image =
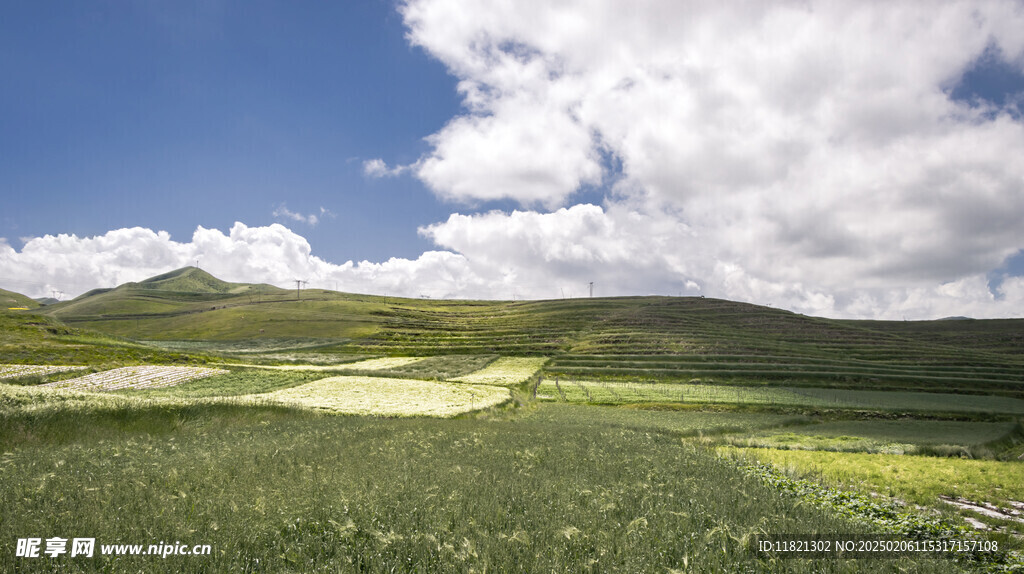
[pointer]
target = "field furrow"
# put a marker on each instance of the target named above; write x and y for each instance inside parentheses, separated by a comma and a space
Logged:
(14, 371)
(142, 377)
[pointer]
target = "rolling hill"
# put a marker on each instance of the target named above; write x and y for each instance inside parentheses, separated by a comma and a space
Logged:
(9, 299)
(627, 338)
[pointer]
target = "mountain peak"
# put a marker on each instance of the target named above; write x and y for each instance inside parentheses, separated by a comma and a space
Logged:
(187, 279)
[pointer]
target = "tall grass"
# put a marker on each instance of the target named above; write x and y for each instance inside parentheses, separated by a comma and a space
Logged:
(294, 492)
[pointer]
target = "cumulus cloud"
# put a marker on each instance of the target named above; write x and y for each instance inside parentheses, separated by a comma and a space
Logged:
(272, 254)
(488, 256)
(311, 219)
(377, 168)
(810, 153)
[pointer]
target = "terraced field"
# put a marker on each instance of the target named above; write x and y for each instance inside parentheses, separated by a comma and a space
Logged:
(505, 372)
(790, 370)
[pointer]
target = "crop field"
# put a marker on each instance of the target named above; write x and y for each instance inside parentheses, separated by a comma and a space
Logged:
(377, 364)
(602, 392)
(786, 370)
(916, 479)
(506, 372)
(297, 492)
(236, 383)
(885, 436)
(141, 377)
(381, 363)
(379, 396)
(15, 371)
(683, 423)
(355, 433)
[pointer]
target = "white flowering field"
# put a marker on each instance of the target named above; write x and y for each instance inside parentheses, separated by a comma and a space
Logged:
(506, 371)
(141, 377)
(390, 397)
(13, 371)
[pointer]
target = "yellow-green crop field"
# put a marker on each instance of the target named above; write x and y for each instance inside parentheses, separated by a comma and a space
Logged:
(380, 364)
(505, 371)
(915, 479)
(390, 397)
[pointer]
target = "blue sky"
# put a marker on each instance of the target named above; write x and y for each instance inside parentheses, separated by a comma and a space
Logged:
(841, 160)
(173, 115)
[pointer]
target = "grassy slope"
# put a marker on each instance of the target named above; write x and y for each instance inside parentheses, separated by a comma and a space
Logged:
(12, 299)
(30, 338)
(664, 339)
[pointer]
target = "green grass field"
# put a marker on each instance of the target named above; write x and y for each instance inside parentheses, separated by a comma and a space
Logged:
(291, 491)
(602, 454)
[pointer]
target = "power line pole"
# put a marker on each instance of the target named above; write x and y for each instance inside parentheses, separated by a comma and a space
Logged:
(298, 292)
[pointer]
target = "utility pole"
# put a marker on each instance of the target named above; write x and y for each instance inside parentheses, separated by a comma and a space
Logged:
(298, 292)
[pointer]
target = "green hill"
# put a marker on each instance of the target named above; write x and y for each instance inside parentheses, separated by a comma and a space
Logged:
(188, 280)
(619, 338)
(9, 299)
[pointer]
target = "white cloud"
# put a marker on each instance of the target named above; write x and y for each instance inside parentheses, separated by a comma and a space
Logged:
(377, 168)
(810, 152)
(273, 254)
(311, 219)
(492, 256)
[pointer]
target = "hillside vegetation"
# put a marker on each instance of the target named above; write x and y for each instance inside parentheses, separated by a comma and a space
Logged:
(621, 434)
(9, 299)
(636, 339)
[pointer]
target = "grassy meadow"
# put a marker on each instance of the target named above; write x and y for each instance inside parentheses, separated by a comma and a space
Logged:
(356, 433)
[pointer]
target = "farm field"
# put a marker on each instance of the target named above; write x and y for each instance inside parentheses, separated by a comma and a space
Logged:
(506, 371)
(294, 491)
(889, 436)
(361, 433)
(915, 479)
(15, 371)
(682, 423)
(379, 396)
(624, 393)
(139, 377)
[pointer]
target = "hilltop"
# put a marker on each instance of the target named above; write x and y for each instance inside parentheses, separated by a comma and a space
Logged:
(188, 280)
